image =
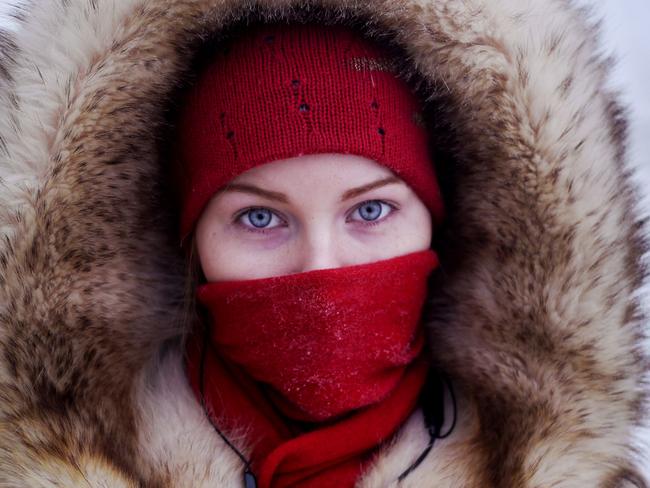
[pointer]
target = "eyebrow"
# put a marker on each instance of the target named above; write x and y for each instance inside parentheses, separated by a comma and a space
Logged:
(281, 197)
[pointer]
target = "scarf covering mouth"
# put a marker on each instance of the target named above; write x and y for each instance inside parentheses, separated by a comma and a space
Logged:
(319, 367)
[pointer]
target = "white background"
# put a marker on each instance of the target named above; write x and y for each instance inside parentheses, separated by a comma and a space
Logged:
(626, 32)
(626, 35)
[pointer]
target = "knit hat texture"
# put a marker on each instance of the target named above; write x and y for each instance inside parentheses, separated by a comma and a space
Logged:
(286, 90)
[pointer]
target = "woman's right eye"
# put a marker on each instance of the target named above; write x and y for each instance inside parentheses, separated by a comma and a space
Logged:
(259, 219)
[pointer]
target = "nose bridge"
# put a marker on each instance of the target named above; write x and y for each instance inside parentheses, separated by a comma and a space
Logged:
(319, 249)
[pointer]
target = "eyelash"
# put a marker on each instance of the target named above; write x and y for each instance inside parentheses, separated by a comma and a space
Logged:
(260, 230)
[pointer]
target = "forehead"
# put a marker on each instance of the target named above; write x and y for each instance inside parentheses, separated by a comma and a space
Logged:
(331, 167)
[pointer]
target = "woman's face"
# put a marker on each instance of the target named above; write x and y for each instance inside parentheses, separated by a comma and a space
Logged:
(310, 212)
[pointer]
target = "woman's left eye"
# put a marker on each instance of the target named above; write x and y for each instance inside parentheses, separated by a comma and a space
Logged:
(371, 211)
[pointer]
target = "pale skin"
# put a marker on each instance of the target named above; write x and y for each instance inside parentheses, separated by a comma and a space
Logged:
(310, 212)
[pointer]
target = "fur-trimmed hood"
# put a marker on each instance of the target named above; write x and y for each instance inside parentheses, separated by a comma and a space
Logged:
(534, 316)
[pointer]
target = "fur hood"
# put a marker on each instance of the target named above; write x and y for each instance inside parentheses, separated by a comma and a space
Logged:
(535, 317)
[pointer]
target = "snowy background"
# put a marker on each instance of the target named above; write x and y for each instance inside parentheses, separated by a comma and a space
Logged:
(626, 35)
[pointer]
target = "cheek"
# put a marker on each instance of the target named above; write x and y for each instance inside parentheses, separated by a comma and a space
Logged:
(224, 265)
(408, 231)
(225, 261)
(421, 230)
(216, 250)
(238, 265)
(228, 254)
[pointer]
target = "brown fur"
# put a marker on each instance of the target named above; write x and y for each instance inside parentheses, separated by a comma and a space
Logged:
(533, 313)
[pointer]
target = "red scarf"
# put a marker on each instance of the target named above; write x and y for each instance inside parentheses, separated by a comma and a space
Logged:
(320, 366)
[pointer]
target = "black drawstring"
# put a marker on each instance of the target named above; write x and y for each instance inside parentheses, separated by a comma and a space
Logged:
(433, 408)
(431, 398)
(454, 407)
(249, 478)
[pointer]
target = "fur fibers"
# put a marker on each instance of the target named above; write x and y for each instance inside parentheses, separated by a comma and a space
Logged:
(534, 313)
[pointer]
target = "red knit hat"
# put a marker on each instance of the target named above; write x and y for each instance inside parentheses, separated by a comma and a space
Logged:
(282, 91)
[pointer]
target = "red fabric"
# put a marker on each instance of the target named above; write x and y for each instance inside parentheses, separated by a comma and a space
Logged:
(334, 454)
(282, 91)
(350, 337)
(326, 341)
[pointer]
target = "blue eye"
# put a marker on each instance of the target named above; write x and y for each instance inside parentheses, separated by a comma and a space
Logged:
(259, 218)
(262, 219)
(372, 211)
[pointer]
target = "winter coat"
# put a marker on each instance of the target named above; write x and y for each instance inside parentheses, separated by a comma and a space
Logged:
(534, 314)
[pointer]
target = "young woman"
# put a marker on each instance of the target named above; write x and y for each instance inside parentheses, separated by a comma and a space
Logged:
(309, 195)
(525, 294)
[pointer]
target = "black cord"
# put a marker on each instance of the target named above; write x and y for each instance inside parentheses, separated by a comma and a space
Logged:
(249, 478)
(454, 406)
(433, 409)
